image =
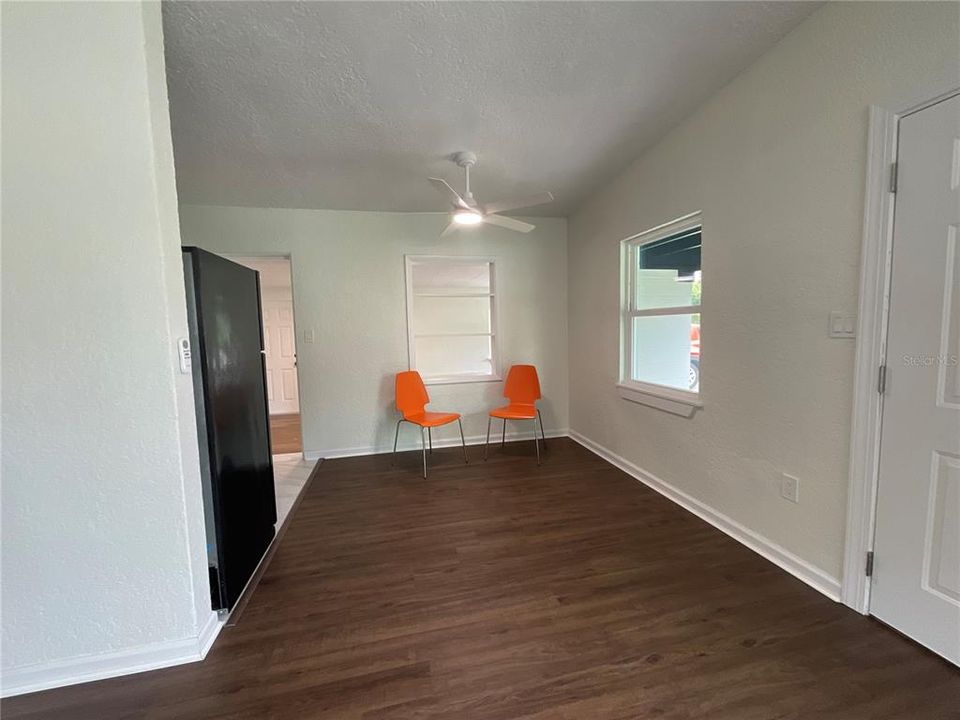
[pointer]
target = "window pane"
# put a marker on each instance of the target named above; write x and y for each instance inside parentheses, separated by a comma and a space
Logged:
(454, 356)
(666, 351)
(452, 277)
(667, 272)
(451, 315)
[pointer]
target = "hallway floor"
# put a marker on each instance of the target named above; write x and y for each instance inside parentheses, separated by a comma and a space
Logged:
(290, 474)
(286, 434)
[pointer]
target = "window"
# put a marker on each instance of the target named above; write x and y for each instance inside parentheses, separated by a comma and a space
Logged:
(451, 319)
(660, 316)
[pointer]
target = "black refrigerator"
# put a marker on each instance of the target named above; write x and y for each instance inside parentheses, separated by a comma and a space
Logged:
(228, 366)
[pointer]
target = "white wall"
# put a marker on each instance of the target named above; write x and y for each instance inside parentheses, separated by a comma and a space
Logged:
(348, 287)
(102, 540)
(275, 277)
(776, 162)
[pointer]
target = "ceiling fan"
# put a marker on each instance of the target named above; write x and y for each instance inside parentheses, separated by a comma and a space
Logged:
(467, 211)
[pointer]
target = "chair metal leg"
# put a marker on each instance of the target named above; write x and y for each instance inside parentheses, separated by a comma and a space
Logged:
(463, 442)
(396, 436)
(430, 436)
(543, 435)
(487, 446)
(503, 437)
(535, 440)
(423, 444)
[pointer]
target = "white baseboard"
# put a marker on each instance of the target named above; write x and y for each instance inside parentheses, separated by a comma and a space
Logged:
(209, 633)
(437, 443)
(813, 576)
(87, 668)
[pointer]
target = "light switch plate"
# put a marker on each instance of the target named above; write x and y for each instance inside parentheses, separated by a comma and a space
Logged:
(843, 325)
(308, 336)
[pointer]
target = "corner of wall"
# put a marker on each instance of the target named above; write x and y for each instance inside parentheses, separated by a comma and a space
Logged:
(176, 317)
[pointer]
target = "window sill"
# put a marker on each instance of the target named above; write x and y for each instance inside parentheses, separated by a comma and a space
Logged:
(458, 379)
(671, 400)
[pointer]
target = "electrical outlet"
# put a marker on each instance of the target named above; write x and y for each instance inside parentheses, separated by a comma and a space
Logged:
(790, 487)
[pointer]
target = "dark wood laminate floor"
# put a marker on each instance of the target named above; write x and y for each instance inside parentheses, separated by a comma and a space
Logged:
(285, 434)
(503, 590)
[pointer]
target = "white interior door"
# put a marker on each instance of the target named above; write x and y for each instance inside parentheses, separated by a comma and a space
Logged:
(916, 581)
(279, 339)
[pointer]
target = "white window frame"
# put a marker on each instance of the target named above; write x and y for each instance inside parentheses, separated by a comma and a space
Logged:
(455, 378)
(662, 397)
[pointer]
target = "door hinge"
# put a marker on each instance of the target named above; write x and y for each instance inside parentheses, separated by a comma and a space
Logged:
(868, 567)
(882, 380)
(893, 176)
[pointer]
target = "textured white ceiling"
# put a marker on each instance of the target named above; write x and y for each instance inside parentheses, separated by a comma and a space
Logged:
(349, 105)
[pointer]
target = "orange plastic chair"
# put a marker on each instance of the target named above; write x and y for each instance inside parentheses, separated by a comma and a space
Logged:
(412, 399)
(522, 389)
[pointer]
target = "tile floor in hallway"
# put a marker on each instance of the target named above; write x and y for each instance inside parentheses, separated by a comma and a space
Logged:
(290, 474)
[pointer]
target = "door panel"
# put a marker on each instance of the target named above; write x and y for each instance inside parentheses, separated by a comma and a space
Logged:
(916, 582)
(941, 558)
(270, 384)
(289, 385)
(281, 356)
(949, 372)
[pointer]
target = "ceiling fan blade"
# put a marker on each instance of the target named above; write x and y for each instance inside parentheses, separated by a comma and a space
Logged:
(523, 202)
(509, 223)
(448, 192)
(449, 229)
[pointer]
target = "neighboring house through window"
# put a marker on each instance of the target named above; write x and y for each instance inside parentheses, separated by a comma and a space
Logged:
(660, 313)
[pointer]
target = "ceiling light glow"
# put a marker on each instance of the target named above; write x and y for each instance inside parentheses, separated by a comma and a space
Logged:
(467, 217)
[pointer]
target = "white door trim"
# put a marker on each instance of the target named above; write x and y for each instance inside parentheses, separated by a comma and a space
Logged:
(871, 343)
(871, 349)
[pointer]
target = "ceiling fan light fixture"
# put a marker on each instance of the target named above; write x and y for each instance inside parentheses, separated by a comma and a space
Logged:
(467, 217)
(467, 211)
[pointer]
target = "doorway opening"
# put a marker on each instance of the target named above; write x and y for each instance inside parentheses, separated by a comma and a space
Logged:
(290, 469)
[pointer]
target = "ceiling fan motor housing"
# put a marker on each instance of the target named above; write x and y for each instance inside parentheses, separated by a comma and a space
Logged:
(465, 159)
